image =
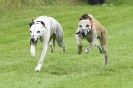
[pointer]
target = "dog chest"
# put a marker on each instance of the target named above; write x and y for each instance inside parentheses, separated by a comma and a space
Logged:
(89, 37)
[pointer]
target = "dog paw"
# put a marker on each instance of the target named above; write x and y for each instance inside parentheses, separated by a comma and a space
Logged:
(87, 50)
(38, 68)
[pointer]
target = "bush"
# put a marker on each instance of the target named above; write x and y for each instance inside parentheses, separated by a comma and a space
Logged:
(23, 3)
(40, 3)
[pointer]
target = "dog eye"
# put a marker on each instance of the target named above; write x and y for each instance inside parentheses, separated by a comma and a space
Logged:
(38, 31)
(80, 25)
(87, 25)
(30, 31)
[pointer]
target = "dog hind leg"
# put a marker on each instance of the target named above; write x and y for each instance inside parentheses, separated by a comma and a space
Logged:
(100, 49)
(103, 42)
(105, 54)
(59, 37)
(51, 45)
(61, 44)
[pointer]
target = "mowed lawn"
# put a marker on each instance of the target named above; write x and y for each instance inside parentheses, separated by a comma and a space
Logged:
(66, 69)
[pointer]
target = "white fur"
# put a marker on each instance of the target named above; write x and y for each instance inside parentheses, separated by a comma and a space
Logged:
(32, 50)
(51, 27)
(86, 50)
(82, 27)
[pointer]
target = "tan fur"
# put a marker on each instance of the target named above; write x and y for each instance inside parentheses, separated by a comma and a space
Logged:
(101, 34)
(101, 30)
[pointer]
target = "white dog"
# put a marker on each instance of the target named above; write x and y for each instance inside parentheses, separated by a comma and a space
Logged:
(46, 29)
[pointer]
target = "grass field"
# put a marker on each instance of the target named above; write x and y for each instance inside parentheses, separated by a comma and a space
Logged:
(66, 70)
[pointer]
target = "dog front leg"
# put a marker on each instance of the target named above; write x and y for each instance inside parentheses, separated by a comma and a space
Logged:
(79, 41)
(40, 62)
(32, 50)
(91, 45)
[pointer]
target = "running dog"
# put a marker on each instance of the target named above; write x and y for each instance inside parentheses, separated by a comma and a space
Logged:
(47, 30)
(91, 30)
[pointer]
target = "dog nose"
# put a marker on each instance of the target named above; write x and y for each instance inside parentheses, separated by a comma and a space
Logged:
(32, 39)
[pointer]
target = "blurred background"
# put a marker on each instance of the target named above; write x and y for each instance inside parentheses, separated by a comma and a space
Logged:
(38, 3)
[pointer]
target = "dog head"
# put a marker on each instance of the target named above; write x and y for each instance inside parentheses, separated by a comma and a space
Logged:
(85, 26)
(36, 31)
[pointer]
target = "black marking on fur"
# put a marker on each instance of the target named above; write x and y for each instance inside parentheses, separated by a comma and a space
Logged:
(41, 23)
(33, 42)
(85, 16)
(31, 23)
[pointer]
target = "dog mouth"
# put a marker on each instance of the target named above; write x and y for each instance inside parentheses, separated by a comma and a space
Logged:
(33, 41)
(82, 34)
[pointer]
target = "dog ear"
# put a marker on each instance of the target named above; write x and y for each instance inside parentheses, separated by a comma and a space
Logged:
(80, 18)
(31, 23)
(84, 16)
(92, 25)
(89, 18)
(91, 21)
(42, 23)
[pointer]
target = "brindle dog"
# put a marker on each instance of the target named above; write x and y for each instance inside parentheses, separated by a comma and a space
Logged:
(92, 30)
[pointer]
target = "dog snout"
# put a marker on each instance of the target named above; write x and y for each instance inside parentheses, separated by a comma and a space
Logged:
(81, 31)
(32, 39)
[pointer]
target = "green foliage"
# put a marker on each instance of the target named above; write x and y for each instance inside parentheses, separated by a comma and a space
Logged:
(39, 3)
(36, 3)
(66, 69)
(120, 2)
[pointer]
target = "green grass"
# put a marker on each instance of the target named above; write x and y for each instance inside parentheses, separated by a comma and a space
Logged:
(66, 69)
